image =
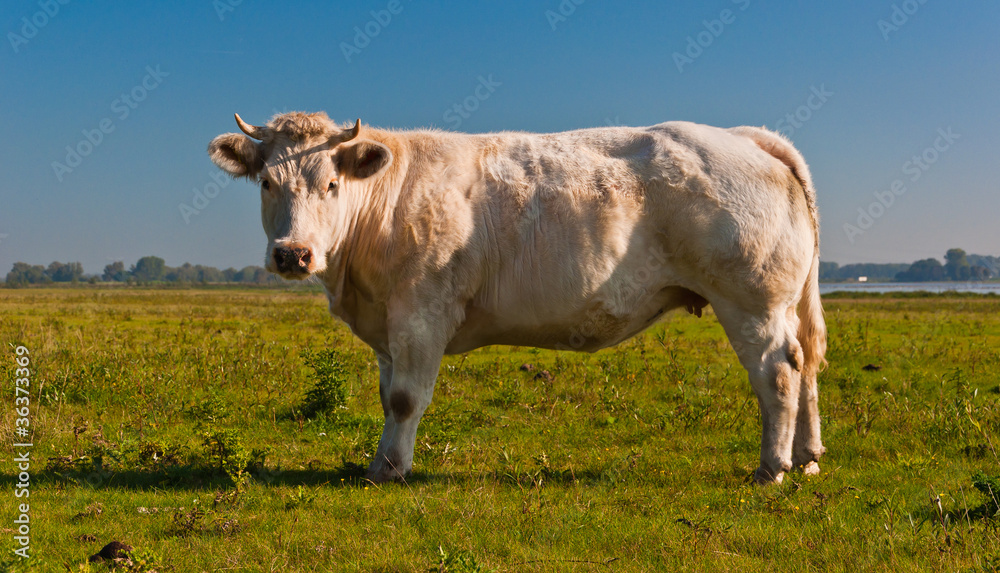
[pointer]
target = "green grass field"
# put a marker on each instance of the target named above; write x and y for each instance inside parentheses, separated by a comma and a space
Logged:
(175, 421)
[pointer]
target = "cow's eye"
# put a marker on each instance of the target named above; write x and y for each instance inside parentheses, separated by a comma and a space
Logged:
(332, 188)
(265, 185)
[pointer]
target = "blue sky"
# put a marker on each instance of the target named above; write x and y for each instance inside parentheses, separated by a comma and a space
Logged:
(860, 87)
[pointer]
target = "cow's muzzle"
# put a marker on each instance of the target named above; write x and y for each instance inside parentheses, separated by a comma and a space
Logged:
(292, 260)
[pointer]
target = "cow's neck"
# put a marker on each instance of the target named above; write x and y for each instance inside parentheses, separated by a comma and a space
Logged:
(358, 270)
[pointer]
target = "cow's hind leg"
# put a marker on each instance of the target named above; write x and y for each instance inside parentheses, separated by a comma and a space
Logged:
(767, 347)
(807, 447)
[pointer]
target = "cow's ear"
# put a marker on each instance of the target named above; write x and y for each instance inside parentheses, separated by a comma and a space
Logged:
(237, 155)
(363, 159)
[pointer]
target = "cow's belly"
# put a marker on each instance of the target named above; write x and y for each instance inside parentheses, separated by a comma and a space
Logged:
(591, 327)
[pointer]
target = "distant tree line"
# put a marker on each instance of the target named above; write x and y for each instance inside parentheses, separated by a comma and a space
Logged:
(24, 274)
(145, 270)
(958, 266)
(832, 272)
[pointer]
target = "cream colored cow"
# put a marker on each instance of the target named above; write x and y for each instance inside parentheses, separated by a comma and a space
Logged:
(433, 243)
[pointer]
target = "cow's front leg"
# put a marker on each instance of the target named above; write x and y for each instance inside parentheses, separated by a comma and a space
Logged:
(406, 386)
(384, 387)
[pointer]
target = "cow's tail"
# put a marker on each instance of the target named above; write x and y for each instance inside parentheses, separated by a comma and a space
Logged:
(812, 327)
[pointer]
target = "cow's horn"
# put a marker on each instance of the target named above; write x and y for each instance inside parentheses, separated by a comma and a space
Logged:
(347, 134)
(251, 130)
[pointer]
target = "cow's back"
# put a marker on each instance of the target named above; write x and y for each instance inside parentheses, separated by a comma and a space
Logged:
(608, 228)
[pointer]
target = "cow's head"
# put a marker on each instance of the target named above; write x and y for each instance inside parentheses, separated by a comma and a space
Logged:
(307, 167)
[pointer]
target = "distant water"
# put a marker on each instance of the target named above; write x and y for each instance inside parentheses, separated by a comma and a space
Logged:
(978, 287)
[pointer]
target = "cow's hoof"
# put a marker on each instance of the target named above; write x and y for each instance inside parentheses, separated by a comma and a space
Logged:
(385, 474)
(766, 477)
(378, 478)
(810, 469)
(383, 477)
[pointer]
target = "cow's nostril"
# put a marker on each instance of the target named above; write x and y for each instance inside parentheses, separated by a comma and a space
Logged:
(305, 258)
(280, 258)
